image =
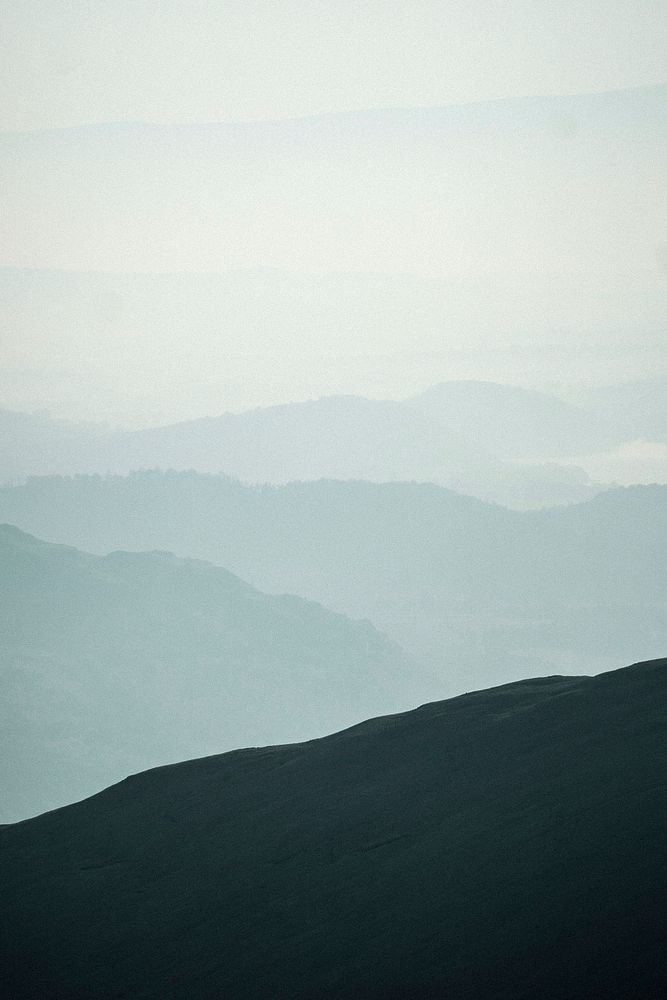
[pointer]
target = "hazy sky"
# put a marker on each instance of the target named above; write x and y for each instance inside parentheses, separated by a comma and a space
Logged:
(66, 62)
(538, 221)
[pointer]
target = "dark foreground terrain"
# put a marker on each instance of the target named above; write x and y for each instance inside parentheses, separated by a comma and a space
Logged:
(504, 844)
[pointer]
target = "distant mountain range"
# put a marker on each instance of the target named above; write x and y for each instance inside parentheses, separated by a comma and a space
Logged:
(172, 346)
(521, 184)
(158, 272)
(499, 443)
(504, 844)
(340, 437)
(175, 586)
(114, 664)
(480, 593)
(517, 423)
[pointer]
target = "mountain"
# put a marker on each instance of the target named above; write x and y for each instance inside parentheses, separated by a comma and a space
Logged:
(337, 437)
(515, 423)
(363, 253)
(482, 593)
(255, 337)
(34, 443)
(114, 664)
(638, 412)
(504, 844)
(510, 185)
(346, 437)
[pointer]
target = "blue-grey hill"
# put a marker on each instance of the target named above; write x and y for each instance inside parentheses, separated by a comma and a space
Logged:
(114, 664)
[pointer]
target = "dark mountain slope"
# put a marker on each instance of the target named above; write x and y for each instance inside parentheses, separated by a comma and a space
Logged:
(506, 845)
(114, 664)
(484, 593)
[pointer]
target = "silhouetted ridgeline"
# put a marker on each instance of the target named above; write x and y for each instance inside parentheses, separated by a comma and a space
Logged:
(504, 845)
(115, 664)
(483, 593)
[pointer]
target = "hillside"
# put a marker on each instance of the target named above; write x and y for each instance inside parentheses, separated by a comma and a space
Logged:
(482, 593)
(342, 437)
(516, 423)
(34, 443)
(114, 664)
(504, 845)
(336, 437)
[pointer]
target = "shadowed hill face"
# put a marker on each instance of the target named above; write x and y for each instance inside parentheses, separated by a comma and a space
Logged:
(483, 593)
(506, 845)
(114, 664)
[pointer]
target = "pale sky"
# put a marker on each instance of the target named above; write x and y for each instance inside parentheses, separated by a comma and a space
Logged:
(472, 239)
(69, 62)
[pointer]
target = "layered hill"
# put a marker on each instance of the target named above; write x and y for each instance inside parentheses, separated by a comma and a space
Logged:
(30, 442)
(337, 437)
(483, 593)
(503, 845)
(115, 664)
(509, 185)
(346, 253)
(340, 437)
(516, 423)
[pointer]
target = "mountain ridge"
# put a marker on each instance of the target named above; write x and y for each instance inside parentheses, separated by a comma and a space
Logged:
(504, 844)
(600, 98)
(457, 582)
(131, 658)
(342, 436)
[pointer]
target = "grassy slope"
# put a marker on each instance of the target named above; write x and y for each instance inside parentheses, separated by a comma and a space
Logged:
(505, 844)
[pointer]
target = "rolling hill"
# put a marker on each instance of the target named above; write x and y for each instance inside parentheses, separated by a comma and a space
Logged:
(337, 437)
(503, 845)
(342, 437)
(115, 664)
(516, 423)
(482, 593)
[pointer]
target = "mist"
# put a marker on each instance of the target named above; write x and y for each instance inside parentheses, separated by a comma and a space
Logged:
(190, 270)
